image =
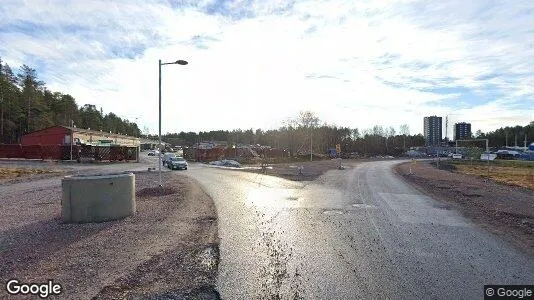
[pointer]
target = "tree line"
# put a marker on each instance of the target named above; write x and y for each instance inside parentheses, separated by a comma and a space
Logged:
(297, 134)
(509, 135)
(27, 105)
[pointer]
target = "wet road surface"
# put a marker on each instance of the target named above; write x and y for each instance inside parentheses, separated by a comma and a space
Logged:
(357, 233)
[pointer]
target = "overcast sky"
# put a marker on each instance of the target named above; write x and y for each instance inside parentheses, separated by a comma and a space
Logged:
(253, 64)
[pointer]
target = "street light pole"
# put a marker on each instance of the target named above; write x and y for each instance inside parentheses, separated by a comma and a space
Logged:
(178, 62)
(311, 145)
(71, 137)
(159, 131)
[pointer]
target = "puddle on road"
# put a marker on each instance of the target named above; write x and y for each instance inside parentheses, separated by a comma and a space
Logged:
(333, 212)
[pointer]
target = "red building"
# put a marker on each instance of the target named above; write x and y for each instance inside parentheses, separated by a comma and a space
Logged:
(55, 143)
(57, 135)
(62, 135)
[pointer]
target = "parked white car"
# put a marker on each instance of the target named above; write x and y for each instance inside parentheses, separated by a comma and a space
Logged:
(153, 153)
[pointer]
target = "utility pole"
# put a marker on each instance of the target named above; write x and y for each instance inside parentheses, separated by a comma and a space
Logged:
(488, 154)
(437, 153)
(2, 117)
(1, 104)
(311, 144)
(159, 130)
(29, 108)
(506, 136)
(71, 137)
(447, 127)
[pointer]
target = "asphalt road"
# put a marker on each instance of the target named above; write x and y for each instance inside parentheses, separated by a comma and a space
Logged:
(357, 233)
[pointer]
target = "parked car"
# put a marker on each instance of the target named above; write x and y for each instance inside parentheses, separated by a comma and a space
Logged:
(177, 163)
(166, 157)
(153, 152)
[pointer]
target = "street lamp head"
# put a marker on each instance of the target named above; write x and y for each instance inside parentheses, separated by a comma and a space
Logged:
(181, 62)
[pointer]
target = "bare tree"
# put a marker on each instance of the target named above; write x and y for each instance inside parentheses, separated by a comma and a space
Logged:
(290, 126)
(404, 130)
(388, 132)
(378, 130)
(355, 134)
(391, 131)
(310, 121)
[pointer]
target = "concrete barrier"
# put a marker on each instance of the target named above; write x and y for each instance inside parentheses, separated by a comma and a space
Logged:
(97, 198)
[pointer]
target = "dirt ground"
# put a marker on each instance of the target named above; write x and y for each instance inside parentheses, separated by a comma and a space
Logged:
(10, 173)
(310, 169)
(169, 249)
(507, 211)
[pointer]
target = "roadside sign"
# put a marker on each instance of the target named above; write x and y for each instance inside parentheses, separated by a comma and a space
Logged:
(412, 163)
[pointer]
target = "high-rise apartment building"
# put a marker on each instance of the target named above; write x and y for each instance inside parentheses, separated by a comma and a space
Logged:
(462, 131)
(433, 130)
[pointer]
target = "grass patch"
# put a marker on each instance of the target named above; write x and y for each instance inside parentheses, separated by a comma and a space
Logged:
(499, 163)
(518, 173)
(9, 173)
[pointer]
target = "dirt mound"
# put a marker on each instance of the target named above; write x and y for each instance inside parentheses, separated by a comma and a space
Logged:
(155, 191)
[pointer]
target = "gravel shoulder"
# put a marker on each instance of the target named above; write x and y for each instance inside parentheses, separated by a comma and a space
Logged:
(169, 248)
(507, 211)
(311, 170)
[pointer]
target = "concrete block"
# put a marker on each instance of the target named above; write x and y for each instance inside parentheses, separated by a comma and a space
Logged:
(97, 198)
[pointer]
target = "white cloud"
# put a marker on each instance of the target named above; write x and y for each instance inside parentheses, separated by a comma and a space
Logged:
(373, 62)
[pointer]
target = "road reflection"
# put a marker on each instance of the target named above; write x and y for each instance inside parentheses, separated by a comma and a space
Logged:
(272, 197)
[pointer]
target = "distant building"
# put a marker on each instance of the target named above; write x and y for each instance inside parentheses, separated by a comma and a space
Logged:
(462, 131)
(148, 144)
(433, 130)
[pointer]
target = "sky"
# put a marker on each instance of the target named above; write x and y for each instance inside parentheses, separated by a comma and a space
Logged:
(257, 63)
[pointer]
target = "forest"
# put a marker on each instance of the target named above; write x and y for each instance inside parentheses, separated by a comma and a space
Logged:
(27, 105)
(509, 136)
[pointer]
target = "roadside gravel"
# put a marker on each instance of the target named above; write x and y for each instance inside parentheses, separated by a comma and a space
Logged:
(170, 247)
(507, 211)
(311, 170)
